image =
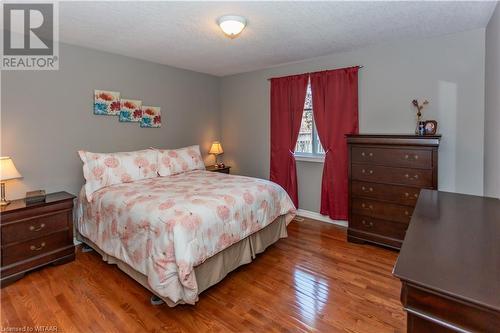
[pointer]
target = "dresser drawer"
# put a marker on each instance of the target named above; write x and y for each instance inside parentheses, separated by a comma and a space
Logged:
(388, 175)
(392, 193)
(383, 228)
(34, 227)
(35, 247)
(382, 210)
(398, 157)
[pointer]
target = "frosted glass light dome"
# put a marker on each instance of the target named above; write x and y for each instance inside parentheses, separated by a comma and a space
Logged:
(232, 25)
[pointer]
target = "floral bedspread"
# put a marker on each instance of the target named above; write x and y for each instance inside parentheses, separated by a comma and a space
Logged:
(165, 226)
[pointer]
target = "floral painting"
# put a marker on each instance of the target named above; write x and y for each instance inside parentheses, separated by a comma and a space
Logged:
(130, 110)
(106, 102)
(151, 116)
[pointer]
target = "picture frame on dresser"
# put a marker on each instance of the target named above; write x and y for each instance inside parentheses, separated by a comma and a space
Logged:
(385, 176)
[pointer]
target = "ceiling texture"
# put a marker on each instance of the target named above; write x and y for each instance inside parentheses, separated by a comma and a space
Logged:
(186, 35)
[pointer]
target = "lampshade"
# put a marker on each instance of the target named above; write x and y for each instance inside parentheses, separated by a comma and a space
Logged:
(216, 148)
(8, 169)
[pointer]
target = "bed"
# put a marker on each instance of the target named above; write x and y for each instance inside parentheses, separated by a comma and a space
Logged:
(181, 234)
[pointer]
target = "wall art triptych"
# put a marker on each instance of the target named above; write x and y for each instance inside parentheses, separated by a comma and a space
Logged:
(109, 103)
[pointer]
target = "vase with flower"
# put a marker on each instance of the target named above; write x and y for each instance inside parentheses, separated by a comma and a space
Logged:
(419, 107)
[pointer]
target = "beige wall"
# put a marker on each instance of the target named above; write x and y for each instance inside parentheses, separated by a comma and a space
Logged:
(448, 70)
(47, 115)
(492, 113)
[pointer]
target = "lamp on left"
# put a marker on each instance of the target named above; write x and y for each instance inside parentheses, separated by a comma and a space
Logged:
(8, 171)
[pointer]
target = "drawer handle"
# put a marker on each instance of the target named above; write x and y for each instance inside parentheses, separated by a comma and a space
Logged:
(407, 194)
(407, 157)
(415, 195)
(40, 227)
(369, 171)
(368, 224)
(364, 154)
(365, 206)
(415, 177)
(407, 213)
(37, 248)
(370, 189)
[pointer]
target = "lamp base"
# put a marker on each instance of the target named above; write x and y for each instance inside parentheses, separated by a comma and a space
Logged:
(3, 201)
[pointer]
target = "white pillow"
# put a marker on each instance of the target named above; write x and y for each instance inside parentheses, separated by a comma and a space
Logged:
(174, 161)
(105, 169)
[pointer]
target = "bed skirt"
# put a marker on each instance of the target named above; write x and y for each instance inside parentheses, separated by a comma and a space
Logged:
(215, 268)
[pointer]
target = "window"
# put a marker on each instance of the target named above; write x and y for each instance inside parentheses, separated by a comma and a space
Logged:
(308, 143)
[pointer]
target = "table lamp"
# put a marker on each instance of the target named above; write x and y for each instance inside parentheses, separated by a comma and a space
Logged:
(8, 171)
(216, 149)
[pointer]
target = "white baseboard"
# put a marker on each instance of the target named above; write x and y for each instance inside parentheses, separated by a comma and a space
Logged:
(319, 217)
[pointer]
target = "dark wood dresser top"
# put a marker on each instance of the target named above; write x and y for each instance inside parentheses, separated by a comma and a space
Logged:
(20, 204)
(453, 247)
(394, 139)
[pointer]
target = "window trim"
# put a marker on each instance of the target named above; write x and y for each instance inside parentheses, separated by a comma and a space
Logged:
(305, 157)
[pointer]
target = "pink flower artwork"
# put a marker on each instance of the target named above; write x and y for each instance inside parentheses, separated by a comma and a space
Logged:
(106, 102)
(130, 110)
(151, 117)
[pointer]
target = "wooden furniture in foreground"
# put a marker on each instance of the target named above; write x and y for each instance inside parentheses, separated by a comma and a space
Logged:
(311, 290)
(225, 169)
(35, 235)
(450, 264)
(386, 173)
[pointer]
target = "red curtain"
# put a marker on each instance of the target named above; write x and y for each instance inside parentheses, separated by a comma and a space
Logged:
(335, 110)
(287, 105)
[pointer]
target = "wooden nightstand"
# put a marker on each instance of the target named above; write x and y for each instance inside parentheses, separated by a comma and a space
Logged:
(35, 235)
(221, 170)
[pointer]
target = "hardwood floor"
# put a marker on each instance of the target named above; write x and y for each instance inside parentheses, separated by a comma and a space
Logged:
(313, 281)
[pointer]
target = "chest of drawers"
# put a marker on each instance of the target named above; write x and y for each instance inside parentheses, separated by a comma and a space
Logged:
(386, 173)
(35, 235)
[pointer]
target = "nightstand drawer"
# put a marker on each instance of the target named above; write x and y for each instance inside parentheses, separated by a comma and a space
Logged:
(35, 235)
(35, 247)
(34, 228)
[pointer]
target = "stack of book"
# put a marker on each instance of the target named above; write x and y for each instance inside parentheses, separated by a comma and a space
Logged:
(35, 197)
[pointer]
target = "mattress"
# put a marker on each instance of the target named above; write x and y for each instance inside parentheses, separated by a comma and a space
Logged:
(164, 227)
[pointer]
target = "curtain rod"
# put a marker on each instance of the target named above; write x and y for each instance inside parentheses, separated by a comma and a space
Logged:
(269, 79)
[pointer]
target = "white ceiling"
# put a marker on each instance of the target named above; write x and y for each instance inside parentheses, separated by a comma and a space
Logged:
(185, 34)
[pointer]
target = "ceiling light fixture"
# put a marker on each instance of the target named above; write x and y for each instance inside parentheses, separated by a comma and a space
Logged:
(232, 25)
